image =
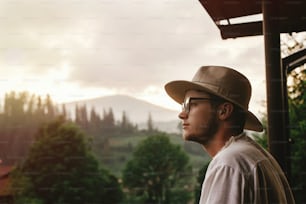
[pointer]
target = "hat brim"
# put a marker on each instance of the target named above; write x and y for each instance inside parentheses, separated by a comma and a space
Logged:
(177, 90)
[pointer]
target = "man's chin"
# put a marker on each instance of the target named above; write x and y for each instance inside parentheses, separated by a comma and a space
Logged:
(190, 138)
(197, 139)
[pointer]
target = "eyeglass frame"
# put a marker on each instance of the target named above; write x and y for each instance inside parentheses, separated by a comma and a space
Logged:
(187, 102)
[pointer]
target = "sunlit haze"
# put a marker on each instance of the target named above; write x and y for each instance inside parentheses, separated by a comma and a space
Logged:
(74, 50)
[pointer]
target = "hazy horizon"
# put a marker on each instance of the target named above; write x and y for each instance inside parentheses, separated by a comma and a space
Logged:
(77, 50)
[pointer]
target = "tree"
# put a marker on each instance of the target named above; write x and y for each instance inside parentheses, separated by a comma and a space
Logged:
(81, 116)
(60, 168)
(94, 122)
(108, 121)
(14, 110)
(64, 111)
(49, 107)
(150, 123)
(39, 107)
(125, 125)
(22, 114)
(158, 172)
(297, 107)
(297, 115)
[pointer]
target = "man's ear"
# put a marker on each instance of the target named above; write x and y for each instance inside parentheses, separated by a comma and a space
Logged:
(225, 110)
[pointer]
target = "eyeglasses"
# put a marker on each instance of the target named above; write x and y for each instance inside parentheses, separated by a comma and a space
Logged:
(187, 103)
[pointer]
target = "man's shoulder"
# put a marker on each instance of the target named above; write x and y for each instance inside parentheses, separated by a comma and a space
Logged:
(239, 154)
(239, 147)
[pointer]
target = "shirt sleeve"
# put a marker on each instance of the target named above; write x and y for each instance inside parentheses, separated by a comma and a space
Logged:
(223, 184)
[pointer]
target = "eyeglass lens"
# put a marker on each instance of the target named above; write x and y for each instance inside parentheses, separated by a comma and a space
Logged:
(186, 103)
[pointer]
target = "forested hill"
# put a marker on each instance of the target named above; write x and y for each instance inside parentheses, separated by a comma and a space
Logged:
(137, 111)
(23, 114)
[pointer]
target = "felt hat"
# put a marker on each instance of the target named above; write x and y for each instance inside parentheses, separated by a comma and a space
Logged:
(220, 81)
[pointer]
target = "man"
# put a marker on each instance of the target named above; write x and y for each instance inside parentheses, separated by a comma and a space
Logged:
(214, 114)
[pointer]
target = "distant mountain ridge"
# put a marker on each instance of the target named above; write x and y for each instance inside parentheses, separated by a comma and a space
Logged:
(136, 110)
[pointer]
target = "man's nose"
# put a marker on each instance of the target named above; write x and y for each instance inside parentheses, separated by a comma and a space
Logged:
(182, 115)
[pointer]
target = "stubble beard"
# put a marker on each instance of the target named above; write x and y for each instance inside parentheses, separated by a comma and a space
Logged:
(205, 133)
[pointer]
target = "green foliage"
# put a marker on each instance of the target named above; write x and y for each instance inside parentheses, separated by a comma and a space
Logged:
(126, 125)
(297, 115)
(112, 143)
(60, 168)
(150, 123)
(298, 132)
(297, 96)
(22, 114)
(158, 172)
(262, 138)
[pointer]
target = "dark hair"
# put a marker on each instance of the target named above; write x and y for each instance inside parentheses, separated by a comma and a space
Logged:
(238, 116)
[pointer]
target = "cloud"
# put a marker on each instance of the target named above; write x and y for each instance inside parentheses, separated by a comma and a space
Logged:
(106, 43)
(128, 46)
(142, 44)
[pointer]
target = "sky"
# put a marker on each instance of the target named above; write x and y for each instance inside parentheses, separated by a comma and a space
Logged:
(73, 49)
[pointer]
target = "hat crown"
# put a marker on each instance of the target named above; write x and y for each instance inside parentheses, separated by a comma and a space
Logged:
(226, 83)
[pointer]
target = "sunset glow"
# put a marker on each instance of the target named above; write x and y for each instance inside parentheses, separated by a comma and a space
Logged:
(80, 50)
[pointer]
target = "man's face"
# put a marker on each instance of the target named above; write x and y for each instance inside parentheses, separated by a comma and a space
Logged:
(199, 117)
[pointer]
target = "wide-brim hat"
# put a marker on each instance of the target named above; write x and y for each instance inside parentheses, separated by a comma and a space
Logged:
(223, 82)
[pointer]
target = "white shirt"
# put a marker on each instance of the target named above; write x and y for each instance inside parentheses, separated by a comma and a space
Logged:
(243, 172)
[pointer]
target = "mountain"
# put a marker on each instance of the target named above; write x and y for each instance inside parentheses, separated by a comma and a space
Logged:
(136, 110)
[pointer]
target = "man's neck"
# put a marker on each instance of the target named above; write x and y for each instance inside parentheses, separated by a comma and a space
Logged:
(217, 143)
